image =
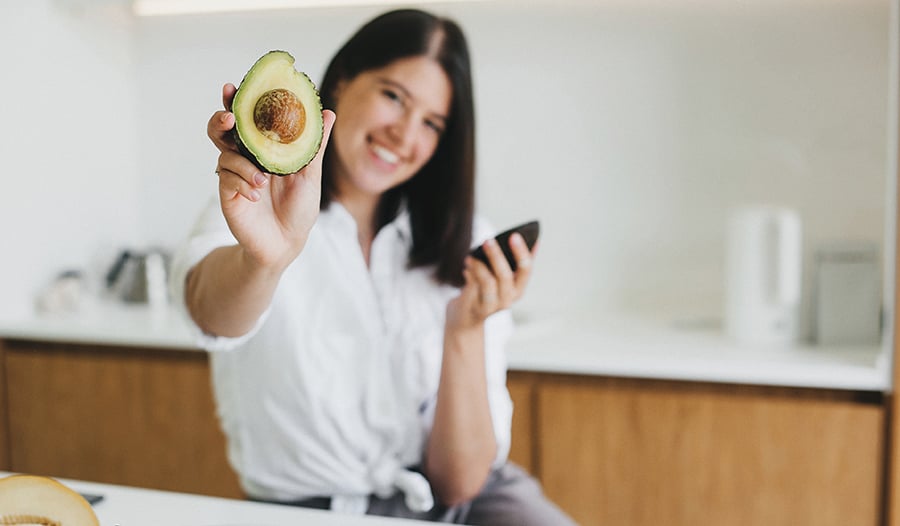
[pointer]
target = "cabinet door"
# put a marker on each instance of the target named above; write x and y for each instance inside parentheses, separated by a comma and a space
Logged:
(521, 388)
(636, 453)
(137, 417)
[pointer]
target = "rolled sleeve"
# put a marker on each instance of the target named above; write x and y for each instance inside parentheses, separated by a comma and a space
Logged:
(498, 330)
(209, 233)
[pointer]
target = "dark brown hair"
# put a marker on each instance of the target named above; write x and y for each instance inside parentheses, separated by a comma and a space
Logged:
(441, 196)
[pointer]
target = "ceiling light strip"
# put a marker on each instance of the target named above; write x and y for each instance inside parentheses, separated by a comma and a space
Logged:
(185, 7)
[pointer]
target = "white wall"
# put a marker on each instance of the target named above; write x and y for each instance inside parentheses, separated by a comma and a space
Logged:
(67, 143)
(629, 129)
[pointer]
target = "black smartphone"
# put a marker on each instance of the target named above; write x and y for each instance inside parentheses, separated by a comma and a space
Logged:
(529, 231)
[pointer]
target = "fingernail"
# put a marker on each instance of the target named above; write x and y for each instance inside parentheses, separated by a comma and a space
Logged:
(518, 239)
(260, 179)
(255, 195)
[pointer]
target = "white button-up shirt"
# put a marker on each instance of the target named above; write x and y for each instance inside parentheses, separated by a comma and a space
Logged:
(333, 392)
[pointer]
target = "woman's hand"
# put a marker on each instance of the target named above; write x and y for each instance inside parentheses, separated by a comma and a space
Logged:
(462, 444)
(490, 289)
(269, 215)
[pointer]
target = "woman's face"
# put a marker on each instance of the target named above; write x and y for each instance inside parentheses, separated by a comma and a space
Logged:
(389, 122)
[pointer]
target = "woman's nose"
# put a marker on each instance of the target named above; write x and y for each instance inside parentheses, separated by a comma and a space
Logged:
(403, 130)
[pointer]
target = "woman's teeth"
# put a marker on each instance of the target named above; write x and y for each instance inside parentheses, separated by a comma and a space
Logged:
(385, 155)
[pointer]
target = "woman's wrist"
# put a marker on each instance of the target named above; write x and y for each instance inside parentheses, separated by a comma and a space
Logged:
(464, 337)
(253, 268)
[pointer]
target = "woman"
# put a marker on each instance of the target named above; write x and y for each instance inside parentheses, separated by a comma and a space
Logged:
(359, 351)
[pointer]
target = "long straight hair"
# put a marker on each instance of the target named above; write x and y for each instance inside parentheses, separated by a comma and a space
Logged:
(440, 198)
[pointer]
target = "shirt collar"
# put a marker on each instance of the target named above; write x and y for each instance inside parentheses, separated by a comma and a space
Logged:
(337, 216)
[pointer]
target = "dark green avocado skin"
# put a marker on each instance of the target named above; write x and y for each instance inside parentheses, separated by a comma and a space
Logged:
(529, 232)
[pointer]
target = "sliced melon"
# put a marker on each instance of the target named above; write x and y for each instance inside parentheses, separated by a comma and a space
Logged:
(30, 499)
(278, 115)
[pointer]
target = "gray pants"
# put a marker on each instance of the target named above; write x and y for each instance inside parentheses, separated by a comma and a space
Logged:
(510, 497)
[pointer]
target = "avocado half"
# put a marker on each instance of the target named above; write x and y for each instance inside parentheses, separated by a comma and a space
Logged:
(278, 115)
(31, 499)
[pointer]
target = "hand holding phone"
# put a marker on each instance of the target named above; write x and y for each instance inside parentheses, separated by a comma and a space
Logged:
(529, 232)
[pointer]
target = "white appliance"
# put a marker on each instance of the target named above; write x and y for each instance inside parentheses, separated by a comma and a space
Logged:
(847, 294)
(763, 275)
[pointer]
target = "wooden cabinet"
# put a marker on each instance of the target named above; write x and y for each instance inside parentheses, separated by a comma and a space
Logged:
(608, 451)
(140, 417)
(642, 452)
(522, 390)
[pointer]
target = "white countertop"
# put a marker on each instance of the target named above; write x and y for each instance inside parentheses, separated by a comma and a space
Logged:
(127, 506)
(611, 345)
(598, 344)
(107, 323)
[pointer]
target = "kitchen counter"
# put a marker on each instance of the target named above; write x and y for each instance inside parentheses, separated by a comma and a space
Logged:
(106, 323)
(659, 348)
(128, 506)
(592, 344)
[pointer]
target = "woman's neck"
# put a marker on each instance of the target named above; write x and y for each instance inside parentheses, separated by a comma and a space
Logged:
(363, 210)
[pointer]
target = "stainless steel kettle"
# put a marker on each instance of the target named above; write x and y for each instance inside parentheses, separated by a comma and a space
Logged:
(139, 277)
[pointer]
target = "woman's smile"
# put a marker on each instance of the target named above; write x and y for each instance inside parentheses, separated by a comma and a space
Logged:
(385, 155)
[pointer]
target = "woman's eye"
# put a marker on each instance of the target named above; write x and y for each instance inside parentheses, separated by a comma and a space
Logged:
(392, 95)
(435, 126)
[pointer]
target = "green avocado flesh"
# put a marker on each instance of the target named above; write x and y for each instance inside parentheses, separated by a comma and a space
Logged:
(278, 115)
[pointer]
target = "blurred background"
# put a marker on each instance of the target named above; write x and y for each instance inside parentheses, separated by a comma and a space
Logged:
(630, 129)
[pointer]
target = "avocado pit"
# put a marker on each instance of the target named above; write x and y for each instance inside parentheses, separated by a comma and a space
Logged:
(280, 116)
